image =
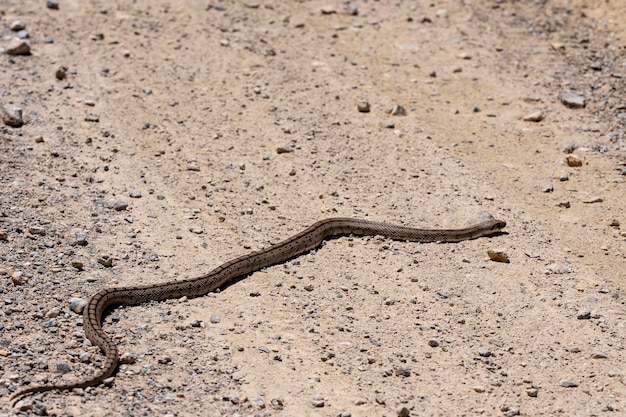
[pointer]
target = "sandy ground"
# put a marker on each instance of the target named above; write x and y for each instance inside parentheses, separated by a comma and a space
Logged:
(159, 149)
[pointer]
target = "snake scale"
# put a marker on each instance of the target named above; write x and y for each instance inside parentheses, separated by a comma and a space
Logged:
(226, 273)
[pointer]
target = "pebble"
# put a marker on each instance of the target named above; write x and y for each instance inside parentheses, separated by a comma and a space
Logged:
(594, 199)
(17, 278)
(24, 405)
(77, 305)
(128, 358)
(255, 293)
(599, 355)
(52, 4)
(18, 47)
(12, 116)
(478, 388)
(484, 352)
(432, 73)
(214, 319)
(53, 312)
(532, 392)
(284, 149)
(78, 265)
(360, 401)
(345, 414)
(62, 368)
(196, 229)
(573, 161)
(433, 342)
(498, 255)
(353, 10)
(403, 371)
(363, 107)
(572, 100)
(81, 238)
(536, 116)
(135, 194)
(193, 166)
(547, 189)
(92, 118)
(583, 315)
(568, 383)
(397, 110)
(61, 73)
(120, 205)
(328, 10)
(564, 176)
(318, 401)
(403, 412)
(17, 25)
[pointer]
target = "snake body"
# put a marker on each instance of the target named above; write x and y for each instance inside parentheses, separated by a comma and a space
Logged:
(294, 246)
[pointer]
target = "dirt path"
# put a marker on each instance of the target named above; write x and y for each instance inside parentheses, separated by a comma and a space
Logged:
(183, 134)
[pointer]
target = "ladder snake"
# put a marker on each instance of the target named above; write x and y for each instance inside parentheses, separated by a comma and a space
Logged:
(226, 273)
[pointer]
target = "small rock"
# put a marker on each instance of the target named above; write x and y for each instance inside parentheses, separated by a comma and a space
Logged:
(594, 199)
(77, 305)
(532, 392)
(85, 357)
(403, 371)
(198, 323)
(360, 401)
(547, 189)
(255, 293)
(573, 161)
(583, 315)
(12, 116)
(18, 47)
(328, 10)
(613, 223)
(536, 116)
(128, 358)
(284, 149)
(353, 10)
(397, 110)
(53, 312)
(318, 401)
(61, 73)
(17, 278)
(403, 412)
(433, 342)
(363, 107)
(512, 412)
(478, 388)
(572, 100)
(108, 381)
(52, 4)
(564, 176)
(193, 166)
(215, 319)
(599, 355)
(78, 265)
(17, 25)
(196, 229)
(62, 368)
(565, 204)
(484, 351)
(24, 405)
(432, 73)
(498, 255)
(92, 118)
(568, 383)
(81, 238)
(120, 205)
(106, 261)
(135, 194)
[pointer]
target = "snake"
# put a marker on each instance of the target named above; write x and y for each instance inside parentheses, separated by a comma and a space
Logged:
(231, 271)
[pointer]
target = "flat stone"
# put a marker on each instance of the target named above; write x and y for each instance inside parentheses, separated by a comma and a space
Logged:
(568, 383)
(572, 100)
